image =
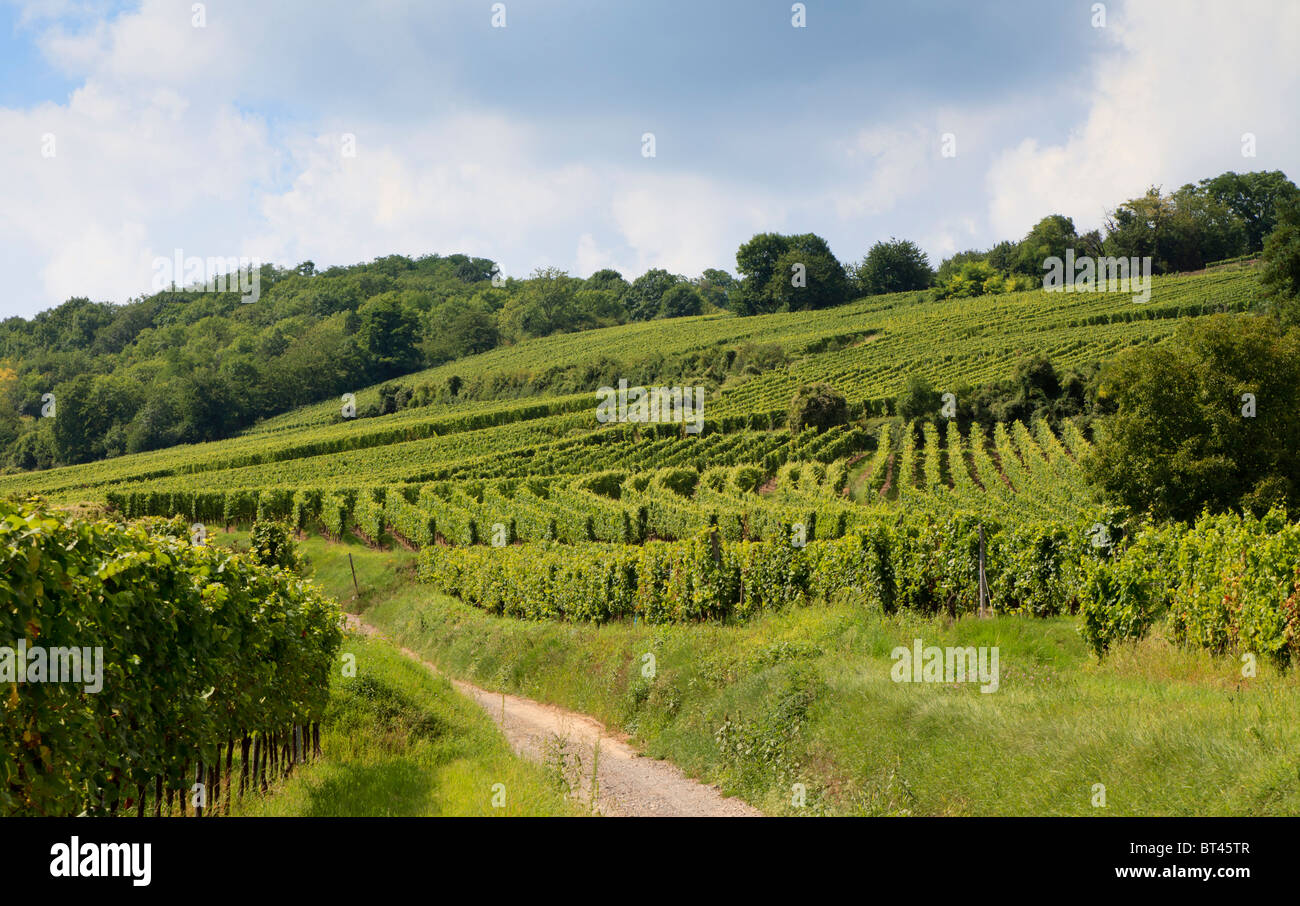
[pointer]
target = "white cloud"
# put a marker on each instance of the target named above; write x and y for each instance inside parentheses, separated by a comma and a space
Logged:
(125, 172)
(159, 148)
(1169, 106)
(589, 257)
(896, 160)
(686, 223)
(466, 184)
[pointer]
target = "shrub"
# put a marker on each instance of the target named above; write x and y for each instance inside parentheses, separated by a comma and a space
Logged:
(818, 406)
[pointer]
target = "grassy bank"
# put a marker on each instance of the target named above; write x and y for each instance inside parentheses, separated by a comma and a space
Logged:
(400, 741)
(805, 697)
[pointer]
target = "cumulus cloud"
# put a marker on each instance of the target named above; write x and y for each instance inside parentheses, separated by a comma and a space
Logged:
(685, 223)
(228, 141)
(91, 184)
(895, 161)
(156, 152)
(1185, 79)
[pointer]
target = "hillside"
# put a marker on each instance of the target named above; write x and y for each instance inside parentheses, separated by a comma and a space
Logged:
(501, 425)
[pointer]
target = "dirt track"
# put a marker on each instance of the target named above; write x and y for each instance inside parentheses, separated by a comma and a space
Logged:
(627, 784)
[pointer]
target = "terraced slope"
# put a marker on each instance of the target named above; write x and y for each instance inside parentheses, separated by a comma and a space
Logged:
(868, 349)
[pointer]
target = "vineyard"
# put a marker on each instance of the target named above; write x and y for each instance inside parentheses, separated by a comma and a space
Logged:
(525, 410)
(613, 509)
(203, 652)
(521, 504)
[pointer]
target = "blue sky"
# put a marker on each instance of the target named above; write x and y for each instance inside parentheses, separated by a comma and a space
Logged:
(523, 143)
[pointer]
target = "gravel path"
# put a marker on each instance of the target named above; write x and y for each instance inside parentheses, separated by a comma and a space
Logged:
(627, 783)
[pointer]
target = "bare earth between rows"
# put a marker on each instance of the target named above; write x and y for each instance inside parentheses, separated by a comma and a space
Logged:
(627, 784)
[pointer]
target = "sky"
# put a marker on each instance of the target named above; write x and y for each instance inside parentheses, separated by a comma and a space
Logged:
(338, 132)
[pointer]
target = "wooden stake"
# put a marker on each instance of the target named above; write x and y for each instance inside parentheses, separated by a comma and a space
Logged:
(985, 604)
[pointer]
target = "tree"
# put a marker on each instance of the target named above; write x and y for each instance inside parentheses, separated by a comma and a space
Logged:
(543, 305)
(36, 448)
(1182, 433)
(473, 270)
(1179, 232)
(176, 367)
(952, 265)
(681, 300)
(387, 337)
(1281, 274)
(1050, 237)
(156, 424)
(1002, 257)
(919, 399)
(1254, 198)
(808, 277)
(787, 273)
(818, 406)
(86, 408)
(599, 307)
(644, 298)
(756, 263)
(715, 287)
(208, 403)
(472, 331)
(10, 394)
(608, 280)
(1204, 230)
(895, 266)
(1135, 228)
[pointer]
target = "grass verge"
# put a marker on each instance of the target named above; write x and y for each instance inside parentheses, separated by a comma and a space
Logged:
(805, 697)
(400, 741)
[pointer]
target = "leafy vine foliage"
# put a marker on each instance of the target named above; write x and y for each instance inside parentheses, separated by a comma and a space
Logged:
(202, 648)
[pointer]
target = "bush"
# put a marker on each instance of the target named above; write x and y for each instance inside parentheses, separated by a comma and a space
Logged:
(919, 399)
(1120, 599)
(818, 406)
(1183, 436)
(747, 479)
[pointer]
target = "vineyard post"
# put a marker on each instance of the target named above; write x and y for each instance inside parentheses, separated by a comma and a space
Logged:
(984, 587)
(230, 781)
(354, 576)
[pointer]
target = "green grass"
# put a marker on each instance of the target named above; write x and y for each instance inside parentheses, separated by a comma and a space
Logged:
(806, 697)
(400, 741)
